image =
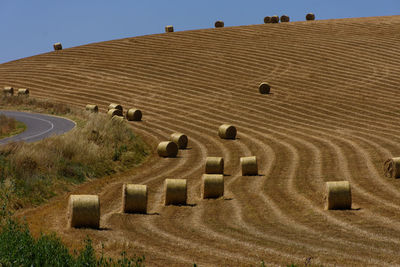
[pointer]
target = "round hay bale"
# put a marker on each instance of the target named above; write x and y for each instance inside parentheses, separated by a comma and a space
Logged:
(134, 198)
(169, 28)
(264, 88)
(118, 119)
(23, 92)
(391, 168)
(115, 106)
(310, 16)
(167, 149)
(227, 131)
(285, 18)
(7, 90)
(175, 191)
(215, 165)
(84, 211)
(57, 46)
(180, 139)
(249, 165)
(114, 112)
(212, 186)
(92, 108)
(338, 195)
(275, 19)
(219, 24)
(134, 115)
(267, 19)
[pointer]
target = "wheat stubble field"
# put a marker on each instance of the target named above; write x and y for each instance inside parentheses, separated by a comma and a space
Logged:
(332, 115)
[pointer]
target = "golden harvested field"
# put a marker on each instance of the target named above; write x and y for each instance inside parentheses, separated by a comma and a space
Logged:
(333, 115)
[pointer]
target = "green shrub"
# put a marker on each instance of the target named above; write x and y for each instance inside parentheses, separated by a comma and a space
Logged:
(19, 248)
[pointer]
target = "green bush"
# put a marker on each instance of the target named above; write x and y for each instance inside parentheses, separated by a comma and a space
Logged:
(19, 248)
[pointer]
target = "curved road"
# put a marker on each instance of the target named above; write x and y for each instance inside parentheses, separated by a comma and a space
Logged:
(38, 126)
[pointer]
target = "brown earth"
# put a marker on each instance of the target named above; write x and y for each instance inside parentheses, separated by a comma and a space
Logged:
(332, 115)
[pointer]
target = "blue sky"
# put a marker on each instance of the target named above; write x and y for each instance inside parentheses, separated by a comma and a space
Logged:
(30, 27)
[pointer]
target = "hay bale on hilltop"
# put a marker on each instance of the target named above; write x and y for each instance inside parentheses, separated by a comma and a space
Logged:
(219, 24)
(115, 106)
(92, 108)
(134, 198)
(180, 139)
(134, 115)
(285, 18)
(114, 112)
(8, 90)
(226, 131)
(264, 88)
(310, 16)
(167, 149)
(57, 46)
(212, 186)
(214, 165)
(275, 19)
(391, 168)
(338, 195)
(169, 28)
(23, 92)
(84, 211)
(249, 165)
(175, 192)
(267, 19)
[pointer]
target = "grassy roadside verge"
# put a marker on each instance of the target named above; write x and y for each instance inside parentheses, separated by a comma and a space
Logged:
(31, 173)
(10, 127)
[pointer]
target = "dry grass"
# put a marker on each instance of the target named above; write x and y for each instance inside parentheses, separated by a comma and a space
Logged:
(175, 191)
(57, 46)
(214, 165)
(9, 126)
(33, 104)
(134, 198)
(169, 28)
(167, 149)
(249, 165)
(84, 211)
(180, 139)
(212, 186)
(310, 16)
(338, 195)
(34, 172)
(226, 131)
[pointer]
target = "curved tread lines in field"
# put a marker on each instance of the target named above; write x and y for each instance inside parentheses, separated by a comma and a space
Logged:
(324, 121)
(146, 224)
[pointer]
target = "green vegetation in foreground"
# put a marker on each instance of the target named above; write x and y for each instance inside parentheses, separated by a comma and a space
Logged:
(19, 248)
(31, 173)
(10, 127)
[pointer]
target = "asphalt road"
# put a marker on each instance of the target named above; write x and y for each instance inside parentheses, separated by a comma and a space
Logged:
(38, 126)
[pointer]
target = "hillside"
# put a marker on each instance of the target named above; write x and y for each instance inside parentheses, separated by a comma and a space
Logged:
(332, 115)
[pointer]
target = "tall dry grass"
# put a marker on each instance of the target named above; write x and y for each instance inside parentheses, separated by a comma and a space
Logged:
(35, 104)
(7, 125)
(34, 172)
